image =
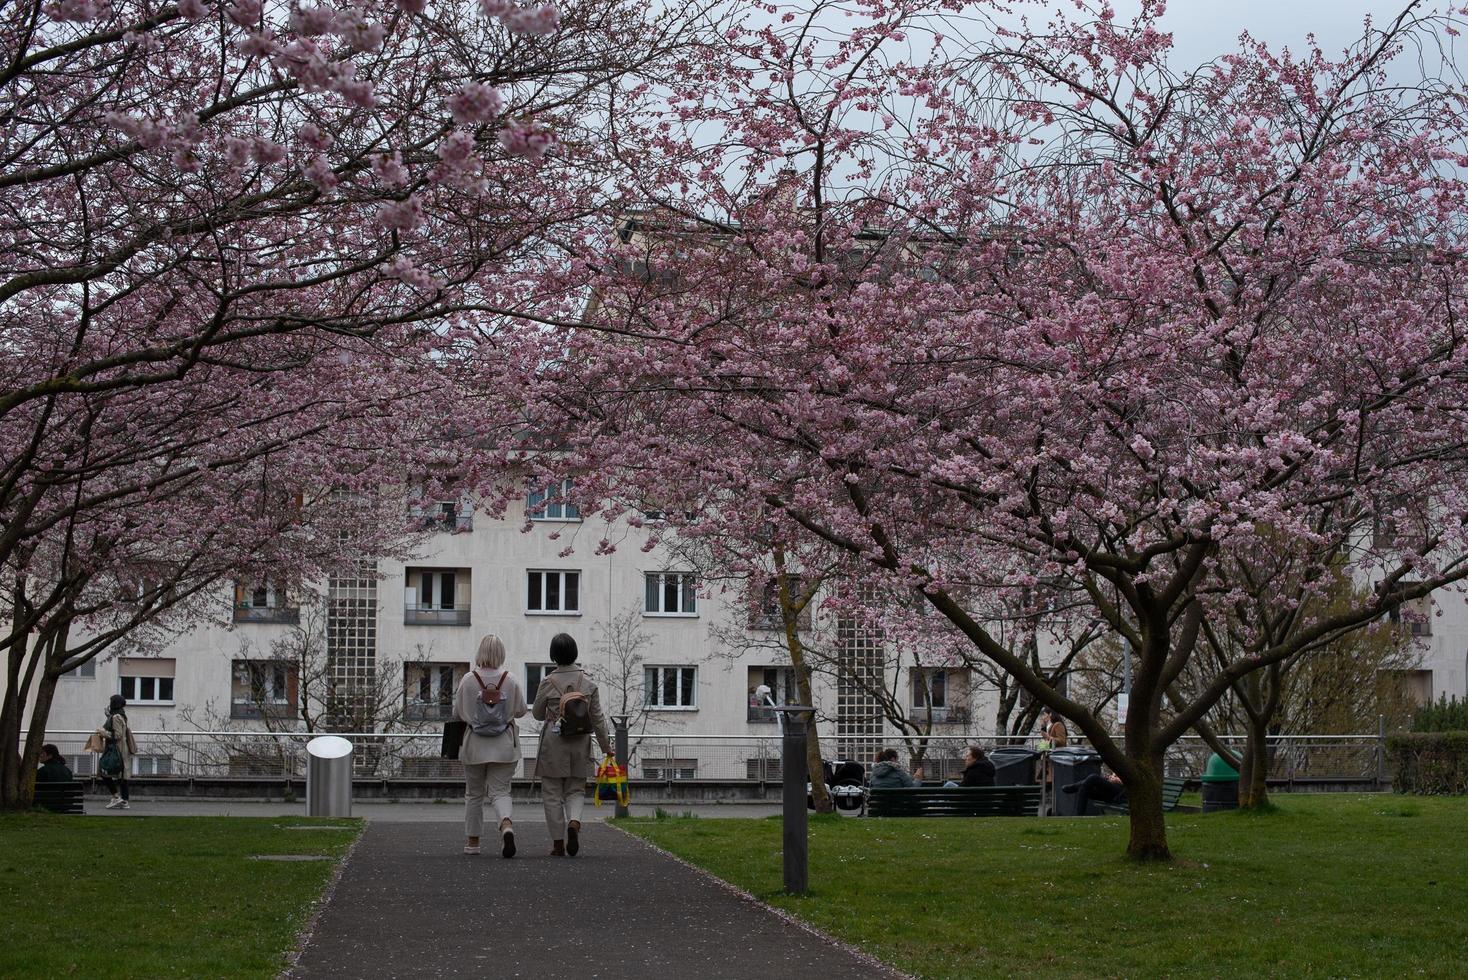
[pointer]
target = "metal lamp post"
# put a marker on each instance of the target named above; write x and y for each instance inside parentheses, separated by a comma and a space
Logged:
(619, 724)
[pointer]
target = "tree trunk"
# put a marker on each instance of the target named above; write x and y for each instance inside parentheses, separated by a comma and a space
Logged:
(1148, 840)
(1253, 787)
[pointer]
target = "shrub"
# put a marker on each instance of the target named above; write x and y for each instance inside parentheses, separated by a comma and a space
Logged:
(1430, 763)
(1443, 716)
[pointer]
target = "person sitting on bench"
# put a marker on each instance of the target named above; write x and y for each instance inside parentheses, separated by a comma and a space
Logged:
(887, 774)
(53, 766)
(977, 769)
(1105, 789)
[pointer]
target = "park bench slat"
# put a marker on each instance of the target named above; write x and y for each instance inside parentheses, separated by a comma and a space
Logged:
(973, 801)
(60, 797)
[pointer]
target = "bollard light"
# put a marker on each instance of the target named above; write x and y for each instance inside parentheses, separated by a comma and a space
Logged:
(329, 777)
(796, 844)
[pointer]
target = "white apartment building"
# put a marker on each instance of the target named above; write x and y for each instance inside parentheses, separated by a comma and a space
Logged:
(405, 632)
(693, 655)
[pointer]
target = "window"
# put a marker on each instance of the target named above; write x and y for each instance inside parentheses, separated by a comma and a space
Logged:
(664, 769)
(1416, 614)
(264, 601)
(442, 515)
(767, 615)
(263, 688)
(551, 504)
(146, 680)
(929, 688)
(553, 592)
(428, 690)
(670, 688)
(152, 765)
(783, 690)
(83, 672)
(436, 597)
(671, 594)
(534, 674)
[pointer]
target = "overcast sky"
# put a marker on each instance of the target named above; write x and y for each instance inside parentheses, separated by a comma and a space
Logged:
(1204, 29)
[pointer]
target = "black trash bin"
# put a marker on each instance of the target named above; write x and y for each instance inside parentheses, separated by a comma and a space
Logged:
(1072, 766)
(1014, 766)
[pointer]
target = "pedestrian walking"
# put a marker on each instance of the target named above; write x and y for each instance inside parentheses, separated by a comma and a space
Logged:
(569, 704)
(488, 700)
(114, 740)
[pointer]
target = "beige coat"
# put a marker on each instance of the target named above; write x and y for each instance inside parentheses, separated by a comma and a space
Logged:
(126, 744)
(563, 758)
(479, 749)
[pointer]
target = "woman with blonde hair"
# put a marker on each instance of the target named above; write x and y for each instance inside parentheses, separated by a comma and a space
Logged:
(488, 700)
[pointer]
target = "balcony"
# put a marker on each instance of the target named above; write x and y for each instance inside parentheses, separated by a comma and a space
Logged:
(941, 716)
(252, 711)
(757, 715)
(428, 711)
(284, 615)
(415, 615)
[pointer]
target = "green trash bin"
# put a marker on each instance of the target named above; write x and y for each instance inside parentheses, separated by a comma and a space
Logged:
(1220, 785)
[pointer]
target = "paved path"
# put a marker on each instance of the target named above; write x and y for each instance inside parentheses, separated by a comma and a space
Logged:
(409, 904)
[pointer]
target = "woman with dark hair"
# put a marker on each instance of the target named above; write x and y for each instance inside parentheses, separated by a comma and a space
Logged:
(887, 774)
(568, 702)
(114, 765)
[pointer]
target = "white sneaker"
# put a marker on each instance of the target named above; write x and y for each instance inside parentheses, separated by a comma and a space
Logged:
(116, 802)
(125, 805)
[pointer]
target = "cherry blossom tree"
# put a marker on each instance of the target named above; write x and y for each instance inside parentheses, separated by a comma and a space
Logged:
(1037, 307)
(238, 243)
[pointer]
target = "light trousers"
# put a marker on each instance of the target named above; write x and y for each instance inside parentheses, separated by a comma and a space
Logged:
(491, 779)
(563, 799)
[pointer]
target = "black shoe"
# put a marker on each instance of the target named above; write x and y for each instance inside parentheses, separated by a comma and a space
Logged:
(508, 840)
(573, 839)
(1070, 787)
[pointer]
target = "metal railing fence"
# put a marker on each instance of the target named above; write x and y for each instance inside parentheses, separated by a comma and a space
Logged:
(667, 757)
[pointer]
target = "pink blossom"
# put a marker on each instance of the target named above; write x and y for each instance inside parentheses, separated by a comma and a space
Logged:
(267, 151)
(475, 103)
(192, 9)
(313, 21)
(245, 13)
(389, 170)
(404, 215)
(544, 19)
(77, 10)
(403, 269)
(412, 6)
(261, 45)
(237, 152)
(360, 33)
(524, 139)
(186, 160)
(312, 137)
(495, 8)
(456, 150)
(318, 171)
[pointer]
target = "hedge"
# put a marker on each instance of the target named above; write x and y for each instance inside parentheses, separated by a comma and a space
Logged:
(1430, 763)
(1445, 715)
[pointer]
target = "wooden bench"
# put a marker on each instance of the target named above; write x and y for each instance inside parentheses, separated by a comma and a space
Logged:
(60, 797)
(972, 801)
(1172, 791)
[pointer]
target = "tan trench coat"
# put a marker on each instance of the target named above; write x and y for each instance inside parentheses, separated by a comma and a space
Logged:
(562, 758)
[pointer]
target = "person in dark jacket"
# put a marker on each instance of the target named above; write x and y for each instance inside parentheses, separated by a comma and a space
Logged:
(1106, 789)
(887, 774)
(977, 769)
(53, 767)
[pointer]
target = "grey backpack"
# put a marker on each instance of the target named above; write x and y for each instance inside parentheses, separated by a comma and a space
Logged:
(490, 719)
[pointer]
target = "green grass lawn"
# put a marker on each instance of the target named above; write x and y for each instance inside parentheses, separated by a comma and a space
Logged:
(156, 896)
(1328, 886)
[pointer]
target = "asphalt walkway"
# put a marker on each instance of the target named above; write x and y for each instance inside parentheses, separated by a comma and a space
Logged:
(409, 903)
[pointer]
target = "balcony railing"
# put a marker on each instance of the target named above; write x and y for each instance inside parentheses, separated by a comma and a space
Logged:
(941, 716)
(249, 710)
(428, 711)
(446, 523)
(287, 615)
(435, 616)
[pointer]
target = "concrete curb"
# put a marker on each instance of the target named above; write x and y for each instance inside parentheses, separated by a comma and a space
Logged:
(785, 917)
(308, 930)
